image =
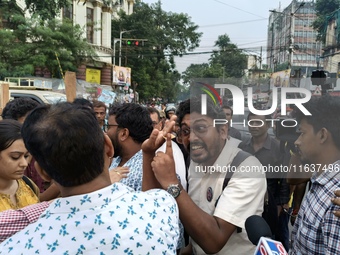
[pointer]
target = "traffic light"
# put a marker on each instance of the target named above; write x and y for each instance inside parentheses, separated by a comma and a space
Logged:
(133, 43)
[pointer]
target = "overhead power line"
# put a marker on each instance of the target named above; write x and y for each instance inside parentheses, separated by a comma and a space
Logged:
(232, 23)
(238, 8)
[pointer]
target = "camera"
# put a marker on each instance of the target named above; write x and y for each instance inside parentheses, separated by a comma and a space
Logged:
(287, 130)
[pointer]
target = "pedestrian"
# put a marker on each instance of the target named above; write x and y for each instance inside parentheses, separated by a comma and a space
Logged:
(129, 125)
(212, 216)
(14, 192)
(316, 229)
(18, 109)
(100, 110)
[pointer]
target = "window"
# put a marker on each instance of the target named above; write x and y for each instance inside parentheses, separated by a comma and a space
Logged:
(89, 25)
(68, 12)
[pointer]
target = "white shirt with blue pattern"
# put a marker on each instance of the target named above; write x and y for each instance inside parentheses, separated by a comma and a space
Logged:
(135, 176)
(113, 220)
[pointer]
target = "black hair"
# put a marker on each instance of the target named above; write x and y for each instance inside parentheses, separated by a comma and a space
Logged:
(10, 131)
(98, 104)
(325, 114)
(182, 110)
(194, 104)
(152, 110)
(135, 118)
(67, 142)
(224, 106)
(18, 108)
(83, 101)
(214, 111)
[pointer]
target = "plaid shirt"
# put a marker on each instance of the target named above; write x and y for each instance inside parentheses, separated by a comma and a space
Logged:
(12, 221)
(316, 230)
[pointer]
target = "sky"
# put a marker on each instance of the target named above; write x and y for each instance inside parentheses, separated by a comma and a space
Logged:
(244, 21)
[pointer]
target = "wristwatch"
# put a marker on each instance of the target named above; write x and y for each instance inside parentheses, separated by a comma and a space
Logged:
(174, 190)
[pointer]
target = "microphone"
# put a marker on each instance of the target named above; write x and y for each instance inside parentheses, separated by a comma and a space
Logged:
(256, 228)
(259, 234)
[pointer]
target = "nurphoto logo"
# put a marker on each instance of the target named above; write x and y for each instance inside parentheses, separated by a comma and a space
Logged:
(239, 103)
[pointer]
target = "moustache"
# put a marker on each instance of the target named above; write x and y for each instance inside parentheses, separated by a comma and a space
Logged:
(197, 144)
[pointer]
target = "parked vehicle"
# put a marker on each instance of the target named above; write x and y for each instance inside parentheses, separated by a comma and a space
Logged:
(41, 96)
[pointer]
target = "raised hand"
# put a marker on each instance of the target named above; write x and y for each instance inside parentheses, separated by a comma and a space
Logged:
(163, 166)
(157, 138)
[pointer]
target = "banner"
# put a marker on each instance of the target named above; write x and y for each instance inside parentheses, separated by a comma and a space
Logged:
(121, 76)
(280, 79)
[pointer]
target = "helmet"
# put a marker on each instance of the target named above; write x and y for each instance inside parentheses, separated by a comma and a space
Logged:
(169, 108)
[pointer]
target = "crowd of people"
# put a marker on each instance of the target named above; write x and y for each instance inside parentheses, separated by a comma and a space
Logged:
(82, 178)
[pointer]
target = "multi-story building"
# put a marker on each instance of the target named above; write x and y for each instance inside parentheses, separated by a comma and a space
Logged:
(291, 38)
(95, 17)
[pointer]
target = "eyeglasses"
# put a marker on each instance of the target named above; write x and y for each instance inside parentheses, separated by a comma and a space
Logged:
(199, 130)
(107, 126)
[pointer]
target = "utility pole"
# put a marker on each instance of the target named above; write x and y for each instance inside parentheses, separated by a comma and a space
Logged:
(291, 38)
(120, 44)
(115, 40)
(260, 67)
(223, 75)
(271, 60)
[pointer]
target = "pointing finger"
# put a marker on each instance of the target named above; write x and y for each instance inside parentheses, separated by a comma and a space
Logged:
(168, 149)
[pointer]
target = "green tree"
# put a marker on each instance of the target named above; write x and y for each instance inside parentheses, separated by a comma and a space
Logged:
(227, 64)
(165, 35)
(46, 9)
(324, 8)
(230, 57)
(33, 45)
(202, 71)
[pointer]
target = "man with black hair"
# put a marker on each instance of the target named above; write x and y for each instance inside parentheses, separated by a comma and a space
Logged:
(233, 132)
(316, 229)
(18, 108)
(93, 215)
(100, 110)
(129, 125)
(212, 216)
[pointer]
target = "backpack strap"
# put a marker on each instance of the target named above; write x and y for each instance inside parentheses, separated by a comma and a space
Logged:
(28, 182)
(238, 159)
